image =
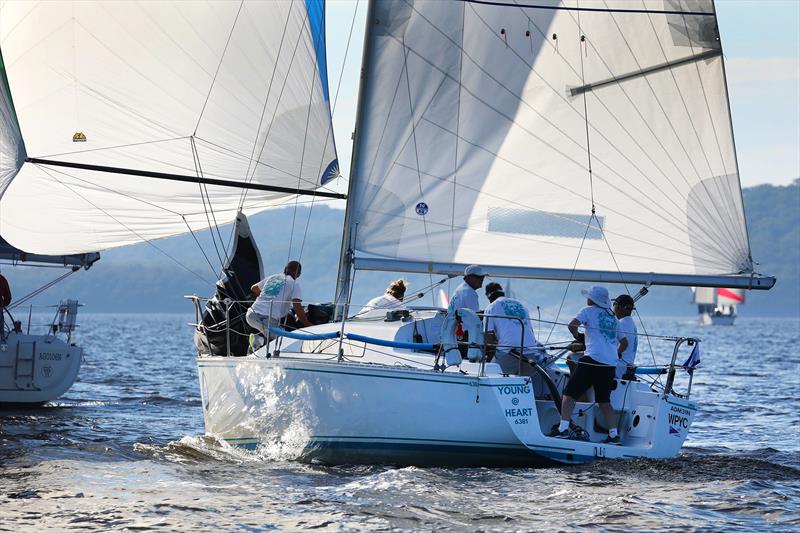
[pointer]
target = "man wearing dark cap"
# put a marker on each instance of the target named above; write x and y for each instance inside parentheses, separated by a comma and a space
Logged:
(626, 334)
(511, 325)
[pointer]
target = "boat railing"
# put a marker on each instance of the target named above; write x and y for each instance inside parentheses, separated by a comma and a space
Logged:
(64, 320)
(278, 333)
(669, 386)
(521, 357)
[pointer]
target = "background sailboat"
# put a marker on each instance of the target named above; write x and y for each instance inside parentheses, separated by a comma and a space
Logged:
(717, 306)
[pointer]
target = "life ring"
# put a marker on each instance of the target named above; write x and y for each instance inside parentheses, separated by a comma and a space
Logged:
(472, 326)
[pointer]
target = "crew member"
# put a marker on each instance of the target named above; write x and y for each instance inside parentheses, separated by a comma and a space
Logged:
(628, 338)
(466, 294)
(275, 296)
(391, 299)
(5, 300)
(512, 330)
(597, 366)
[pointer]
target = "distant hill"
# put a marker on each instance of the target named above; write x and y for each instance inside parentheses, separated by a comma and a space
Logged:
(143, 279)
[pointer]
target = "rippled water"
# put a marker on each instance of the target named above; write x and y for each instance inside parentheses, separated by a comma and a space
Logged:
(124, 449)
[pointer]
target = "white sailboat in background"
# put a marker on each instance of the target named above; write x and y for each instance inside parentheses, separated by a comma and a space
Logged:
(39, 361)
(574, 141)
(717, 306)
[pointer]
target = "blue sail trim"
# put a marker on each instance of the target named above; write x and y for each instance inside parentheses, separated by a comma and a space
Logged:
(331, 171)
(316, 21)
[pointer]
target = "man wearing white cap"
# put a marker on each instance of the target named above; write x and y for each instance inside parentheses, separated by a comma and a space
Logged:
(597, 366)
(466, 294)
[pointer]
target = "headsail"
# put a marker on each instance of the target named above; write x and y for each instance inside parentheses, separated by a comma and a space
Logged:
(231, 92)
(591, 136)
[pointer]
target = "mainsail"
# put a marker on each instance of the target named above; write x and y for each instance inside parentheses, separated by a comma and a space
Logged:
(585, 136)
(122, 122)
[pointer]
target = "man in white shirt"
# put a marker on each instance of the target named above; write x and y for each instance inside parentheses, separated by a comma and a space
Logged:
(597, 366)
(627, 336)
(275, 295)
(511, 333)
(466, 294)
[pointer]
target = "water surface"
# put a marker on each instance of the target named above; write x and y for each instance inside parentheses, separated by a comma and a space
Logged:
(124, 449)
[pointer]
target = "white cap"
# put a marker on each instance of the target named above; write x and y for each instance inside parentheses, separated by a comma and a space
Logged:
(599, 295)
(474, 270)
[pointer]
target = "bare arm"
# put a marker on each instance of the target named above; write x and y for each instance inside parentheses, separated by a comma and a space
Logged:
(255, 289)
(301, 314)
(573, 327)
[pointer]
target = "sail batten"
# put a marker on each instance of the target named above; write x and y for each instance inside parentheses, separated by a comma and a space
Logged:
(541, 136)
(218, 97)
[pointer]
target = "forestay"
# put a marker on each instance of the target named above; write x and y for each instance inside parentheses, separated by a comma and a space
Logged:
(491, 131)
(231, 91)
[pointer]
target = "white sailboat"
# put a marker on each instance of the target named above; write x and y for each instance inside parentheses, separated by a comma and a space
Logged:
(582, 141)
(38, 362)
(717, 306)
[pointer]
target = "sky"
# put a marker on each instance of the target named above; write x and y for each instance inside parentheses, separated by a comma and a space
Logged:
(761, 42)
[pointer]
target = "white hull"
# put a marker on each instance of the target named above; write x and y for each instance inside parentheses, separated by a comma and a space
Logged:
(352, 412)
(707, 319)
(35, 369)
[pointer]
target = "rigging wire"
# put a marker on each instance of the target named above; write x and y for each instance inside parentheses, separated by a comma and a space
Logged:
(416, 153)
(330, 126)
(40, 290)
(303, 150)
(266, 100)
(582, 37)
(203, 194)
(132, 231)
(275, 111)
(219, 65)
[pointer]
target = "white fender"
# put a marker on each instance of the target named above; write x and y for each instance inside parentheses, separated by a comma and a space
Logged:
(470, 324)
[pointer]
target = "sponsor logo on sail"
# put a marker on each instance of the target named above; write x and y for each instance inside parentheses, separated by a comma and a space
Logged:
(421, 209)
(79, 137)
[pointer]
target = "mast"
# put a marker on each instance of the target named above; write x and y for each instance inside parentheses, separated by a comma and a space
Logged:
(348, 230)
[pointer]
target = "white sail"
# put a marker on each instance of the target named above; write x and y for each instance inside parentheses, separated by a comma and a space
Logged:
(480, 121)
(230, 91)
(705, 295)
